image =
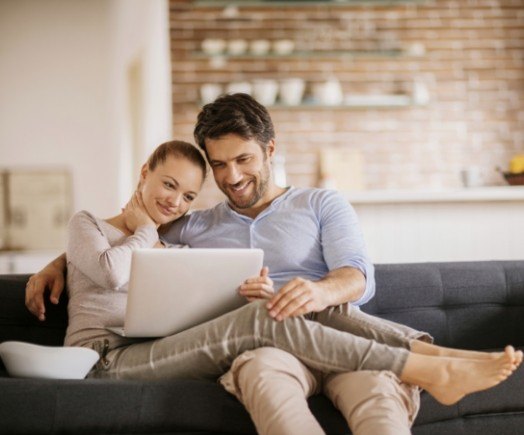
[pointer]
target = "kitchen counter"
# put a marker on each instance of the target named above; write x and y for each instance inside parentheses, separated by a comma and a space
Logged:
(478, 194)
(442, 225)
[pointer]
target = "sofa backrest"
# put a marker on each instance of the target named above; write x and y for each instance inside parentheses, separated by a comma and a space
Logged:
(476, 305)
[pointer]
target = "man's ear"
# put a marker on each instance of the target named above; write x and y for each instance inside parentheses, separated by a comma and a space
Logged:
(270, 148)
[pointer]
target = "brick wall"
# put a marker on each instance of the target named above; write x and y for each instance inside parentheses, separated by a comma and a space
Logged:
(468, 54)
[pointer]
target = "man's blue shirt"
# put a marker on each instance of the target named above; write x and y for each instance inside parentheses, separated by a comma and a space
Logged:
(303, 233)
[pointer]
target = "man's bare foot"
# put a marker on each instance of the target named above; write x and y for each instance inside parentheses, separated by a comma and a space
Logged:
(424, 348)
(449, 379)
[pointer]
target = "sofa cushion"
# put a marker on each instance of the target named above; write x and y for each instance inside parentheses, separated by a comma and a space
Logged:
(108, 406)
(17, 323)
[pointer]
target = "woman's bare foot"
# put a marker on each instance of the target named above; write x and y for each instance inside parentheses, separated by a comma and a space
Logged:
(449, 379)
(424, 348)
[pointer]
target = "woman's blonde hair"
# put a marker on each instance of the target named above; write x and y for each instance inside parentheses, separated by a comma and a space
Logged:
(177, 148)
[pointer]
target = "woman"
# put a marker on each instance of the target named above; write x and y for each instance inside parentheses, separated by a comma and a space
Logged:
(99, 251)
(99, 255)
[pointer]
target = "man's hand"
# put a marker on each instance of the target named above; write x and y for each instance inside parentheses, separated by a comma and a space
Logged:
(298, 297)
(301, 296)
(259, 287)
(52, 277)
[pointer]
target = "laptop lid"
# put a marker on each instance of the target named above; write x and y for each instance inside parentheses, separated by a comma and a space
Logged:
(171, 290)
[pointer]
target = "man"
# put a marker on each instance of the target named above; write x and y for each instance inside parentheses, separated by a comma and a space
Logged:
(316, 261)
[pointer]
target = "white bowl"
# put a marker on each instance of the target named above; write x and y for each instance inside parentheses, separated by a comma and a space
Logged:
(237, 47)
(283, 46)
(26, 360)
(260, 46)
(213, 46)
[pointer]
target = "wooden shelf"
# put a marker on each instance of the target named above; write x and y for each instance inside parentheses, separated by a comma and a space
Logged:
(403, 101)
(312, 105)
(301, 3)
(348, 54)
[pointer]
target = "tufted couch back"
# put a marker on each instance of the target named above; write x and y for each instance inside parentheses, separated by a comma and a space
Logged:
(476, 305)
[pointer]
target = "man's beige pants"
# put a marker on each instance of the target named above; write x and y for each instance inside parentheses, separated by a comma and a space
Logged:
(273, 385)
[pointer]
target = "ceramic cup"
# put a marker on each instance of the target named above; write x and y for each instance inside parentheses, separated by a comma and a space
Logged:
(292, 91)
(328, 93)
(213, 46)
(259, 47)
(209, 92)
(265, 91)
(239, 87)
(283, 46)
(471, 177)
(237, 47)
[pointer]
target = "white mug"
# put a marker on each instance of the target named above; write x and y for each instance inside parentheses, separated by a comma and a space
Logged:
(209, 92)
(237, 47)
(259, 46)
(292, 91)
(239, 87)
(265, 91)
(471, 177)
(283, 46)
(329, 92)
(213, 46)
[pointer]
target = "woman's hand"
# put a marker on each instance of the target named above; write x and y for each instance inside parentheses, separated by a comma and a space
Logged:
(135, 213)
(259, 287)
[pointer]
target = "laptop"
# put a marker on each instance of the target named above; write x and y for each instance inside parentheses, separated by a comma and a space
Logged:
(171, 290)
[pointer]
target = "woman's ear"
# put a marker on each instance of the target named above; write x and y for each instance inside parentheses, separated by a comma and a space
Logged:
(143, 174)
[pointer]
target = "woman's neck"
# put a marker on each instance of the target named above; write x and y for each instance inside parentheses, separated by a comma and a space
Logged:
(118, 221)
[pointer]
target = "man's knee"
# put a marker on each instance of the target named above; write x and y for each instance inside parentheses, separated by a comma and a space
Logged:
(266, 361)
(268, 368)
(366, 393)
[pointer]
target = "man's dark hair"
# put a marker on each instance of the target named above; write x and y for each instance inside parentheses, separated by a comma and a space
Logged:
(238, 114)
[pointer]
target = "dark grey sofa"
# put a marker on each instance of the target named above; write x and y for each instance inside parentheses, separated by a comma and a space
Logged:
(477, 305)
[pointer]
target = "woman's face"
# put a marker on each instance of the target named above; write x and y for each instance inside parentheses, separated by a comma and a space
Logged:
(170, 188)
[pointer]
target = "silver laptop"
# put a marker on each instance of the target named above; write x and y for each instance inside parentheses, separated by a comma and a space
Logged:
(171, 290)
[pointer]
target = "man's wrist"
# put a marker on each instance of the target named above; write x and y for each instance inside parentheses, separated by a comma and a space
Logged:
(326, 296)
(59, 263)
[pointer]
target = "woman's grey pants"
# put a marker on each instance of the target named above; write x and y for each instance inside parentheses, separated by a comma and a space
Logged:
(338, 339)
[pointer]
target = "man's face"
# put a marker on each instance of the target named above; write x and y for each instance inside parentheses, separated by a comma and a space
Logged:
(241, 170)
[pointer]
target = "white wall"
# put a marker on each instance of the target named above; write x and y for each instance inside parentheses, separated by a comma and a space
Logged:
(64, 91)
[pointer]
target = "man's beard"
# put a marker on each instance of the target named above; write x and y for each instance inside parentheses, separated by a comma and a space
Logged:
(260, 190)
